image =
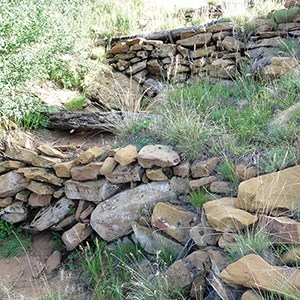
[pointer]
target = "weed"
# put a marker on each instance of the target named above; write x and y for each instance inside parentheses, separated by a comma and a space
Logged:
(137, 132)
(57, 243)
(6, 230)
(76, 104)
(290, 47)
(227, 171)
(249, 241)
(198, 197)
(14, 244)
(186, 129)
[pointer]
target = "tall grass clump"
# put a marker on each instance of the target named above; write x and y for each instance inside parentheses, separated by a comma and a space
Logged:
(148, 282)
(253, 240)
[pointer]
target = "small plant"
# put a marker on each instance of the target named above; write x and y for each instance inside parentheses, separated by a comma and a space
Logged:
(24, 111)
(57, 243)
(137, 132)
(250, 241)
(6, 230)
(76, 104)
(227, 171)
(14, 244)
(198, 197)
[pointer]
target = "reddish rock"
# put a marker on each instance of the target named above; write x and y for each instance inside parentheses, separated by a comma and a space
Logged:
(282, 229)
(36, 200)
(204, 168)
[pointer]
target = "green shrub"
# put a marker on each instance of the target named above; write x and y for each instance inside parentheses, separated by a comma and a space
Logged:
(278, 158)
(23, 110)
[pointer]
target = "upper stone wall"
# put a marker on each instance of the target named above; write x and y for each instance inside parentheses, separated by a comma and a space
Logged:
(216, 50)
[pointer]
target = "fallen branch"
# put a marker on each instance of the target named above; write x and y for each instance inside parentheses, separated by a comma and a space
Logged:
(102, 121)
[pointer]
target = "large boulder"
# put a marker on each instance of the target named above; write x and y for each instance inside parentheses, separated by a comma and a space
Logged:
(112, 218)
(254, 272)
(113, 90)
(271, 193)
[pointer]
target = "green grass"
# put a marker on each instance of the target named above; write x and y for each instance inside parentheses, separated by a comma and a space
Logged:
(148, 282)
(104, 269)
(249, 241)
(227, 172)
(197, 198)
(76, 104)
(137, 132)
(232, 119)
(14, 245)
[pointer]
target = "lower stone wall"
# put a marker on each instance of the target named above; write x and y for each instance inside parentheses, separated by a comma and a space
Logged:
(145, 194)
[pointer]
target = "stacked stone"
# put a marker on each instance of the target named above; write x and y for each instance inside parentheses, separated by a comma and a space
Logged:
(119, 191)
(215, 51)
(194, 52)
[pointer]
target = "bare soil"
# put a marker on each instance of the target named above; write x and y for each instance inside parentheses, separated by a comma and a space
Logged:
(21, 277)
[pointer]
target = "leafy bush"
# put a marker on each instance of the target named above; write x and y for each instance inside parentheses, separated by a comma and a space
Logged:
(25, 111)
(278, 158)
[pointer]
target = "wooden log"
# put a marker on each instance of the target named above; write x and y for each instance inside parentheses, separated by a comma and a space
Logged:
(102, 121)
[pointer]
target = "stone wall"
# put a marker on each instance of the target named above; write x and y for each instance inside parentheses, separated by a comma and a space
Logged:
(117, 192)
(217, 50)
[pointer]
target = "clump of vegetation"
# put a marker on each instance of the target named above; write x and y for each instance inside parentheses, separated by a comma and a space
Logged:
(198, 197)
(278, 158)
(149, 282)
(13, 241)
(76, 104)
(137, 132)
(227, 171)
(255, 241)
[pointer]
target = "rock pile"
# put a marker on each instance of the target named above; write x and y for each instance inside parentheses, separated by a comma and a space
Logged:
(119, 192)
(216, 50)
